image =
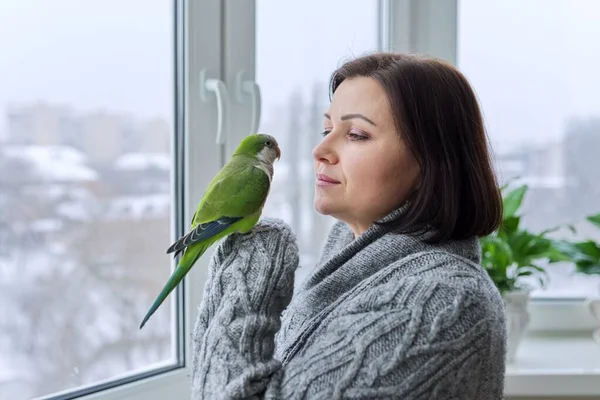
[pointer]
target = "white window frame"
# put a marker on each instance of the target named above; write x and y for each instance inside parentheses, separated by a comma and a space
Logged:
(200, 47)
(424, 27)
(239, 67)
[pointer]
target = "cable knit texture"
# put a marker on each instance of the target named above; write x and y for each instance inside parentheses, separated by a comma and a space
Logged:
(382, 316)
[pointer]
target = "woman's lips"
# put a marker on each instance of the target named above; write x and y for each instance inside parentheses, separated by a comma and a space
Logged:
(324, 180)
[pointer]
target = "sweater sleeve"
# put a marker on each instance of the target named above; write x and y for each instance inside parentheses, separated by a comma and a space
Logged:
(422, 338)
(250, 282)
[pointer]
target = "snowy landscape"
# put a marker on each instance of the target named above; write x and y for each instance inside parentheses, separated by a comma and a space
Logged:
(81, 255)
(82, 252)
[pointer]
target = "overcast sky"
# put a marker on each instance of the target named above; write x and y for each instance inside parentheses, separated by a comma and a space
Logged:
(533, 63)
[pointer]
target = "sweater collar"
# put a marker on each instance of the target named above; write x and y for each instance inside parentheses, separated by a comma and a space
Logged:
(378, 242)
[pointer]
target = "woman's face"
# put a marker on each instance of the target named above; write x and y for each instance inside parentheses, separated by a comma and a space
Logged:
(363, 169)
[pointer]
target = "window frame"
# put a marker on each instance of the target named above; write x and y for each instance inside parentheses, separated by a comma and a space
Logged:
(198, 47)
(239, 55)
(424, 27)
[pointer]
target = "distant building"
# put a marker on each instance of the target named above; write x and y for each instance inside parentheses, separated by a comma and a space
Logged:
(42, 124)
(103, 136)
(155, 137)
(582, 167)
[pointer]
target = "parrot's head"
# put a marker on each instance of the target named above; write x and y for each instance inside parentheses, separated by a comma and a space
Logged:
(262, 146)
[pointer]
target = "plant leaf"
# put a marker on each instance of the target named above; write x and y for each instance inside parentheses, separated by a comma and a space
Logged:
(594, 219)
(513, 200)
(509, 225)
(589, 248)
(588, 268)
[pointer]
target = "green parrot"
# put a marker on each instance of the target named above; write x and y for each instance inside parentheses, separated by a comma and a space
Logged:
(233, 202)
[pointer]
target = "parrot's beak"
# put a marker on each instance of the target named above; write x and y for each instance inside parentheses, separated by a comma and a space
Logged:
(277, 152)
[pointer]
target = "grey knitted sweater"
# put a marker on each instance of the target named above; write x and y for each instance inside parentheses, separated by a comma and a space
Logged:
(381, 316)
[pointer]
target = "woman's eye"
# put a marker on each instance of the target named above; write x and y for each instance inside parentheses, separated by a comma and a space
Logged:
(357, 136)
(351, 135)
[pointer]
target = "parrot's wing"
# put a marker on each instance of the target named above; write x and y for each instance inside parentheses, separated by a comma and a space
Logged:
(201, 232)
(238, 190)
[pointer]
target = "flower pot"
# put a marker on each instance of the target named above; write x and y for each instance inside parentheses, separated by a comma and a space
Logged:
(517, 319)
(593, 305)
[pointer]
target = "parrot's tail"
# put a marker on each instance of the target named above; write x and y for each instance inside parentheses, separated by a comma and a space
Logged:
(190, 256)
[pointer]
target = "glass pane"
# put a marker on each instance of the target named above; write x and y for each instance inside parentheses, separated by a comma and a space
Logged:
(534, 65)
(86, 111)
(298, 46)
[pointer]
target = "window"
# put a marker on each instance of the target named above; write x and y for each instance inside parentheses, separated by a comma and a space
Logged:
(535, 71)
(292, 65)
(108, 139)
(86, 159)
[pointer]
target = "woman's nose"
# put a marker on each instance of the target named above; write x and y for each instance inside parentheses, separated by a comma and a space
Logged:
(324, 151)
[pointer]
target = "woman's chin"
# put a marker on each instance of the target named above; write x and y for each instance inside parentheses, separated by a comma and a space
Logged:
(323, 207)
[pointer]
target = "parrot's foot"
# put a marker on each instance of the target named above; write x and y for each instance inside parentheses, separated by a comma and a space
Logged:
(260, 228)
(265, 225)
(256, 229)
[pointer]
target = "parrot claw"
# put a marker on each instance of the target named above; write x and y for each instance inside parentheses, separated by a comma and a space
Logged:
(253, 231)
(260, 228)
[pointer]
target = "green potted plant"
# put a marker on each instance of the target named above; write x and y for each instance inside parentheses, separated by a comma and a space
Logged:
(585, 254)
(512, 253)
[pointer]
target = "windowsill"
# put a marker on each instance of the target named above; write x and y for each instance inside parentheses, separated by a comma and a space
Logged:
(555, 364)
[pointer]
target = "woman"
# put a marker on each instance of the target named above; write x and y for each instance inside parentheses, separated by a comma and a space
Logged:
(398, 306)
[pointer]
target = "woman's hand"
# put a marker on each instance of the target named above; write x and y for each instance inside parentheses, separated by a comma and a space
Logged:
(261, 263)
(250, 283)
(266, 231)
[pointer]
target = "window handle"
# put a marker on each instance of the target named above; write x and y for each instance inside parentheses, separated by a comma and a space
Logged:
(220, 89)
(247, 87)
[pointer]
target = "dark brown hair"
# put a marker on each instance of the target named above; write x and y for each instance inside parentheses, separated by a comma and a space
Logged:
(438, 118)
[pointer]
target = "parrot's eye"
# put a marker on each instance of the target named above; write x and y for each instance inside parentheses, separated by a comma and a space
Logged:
(268, 143)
